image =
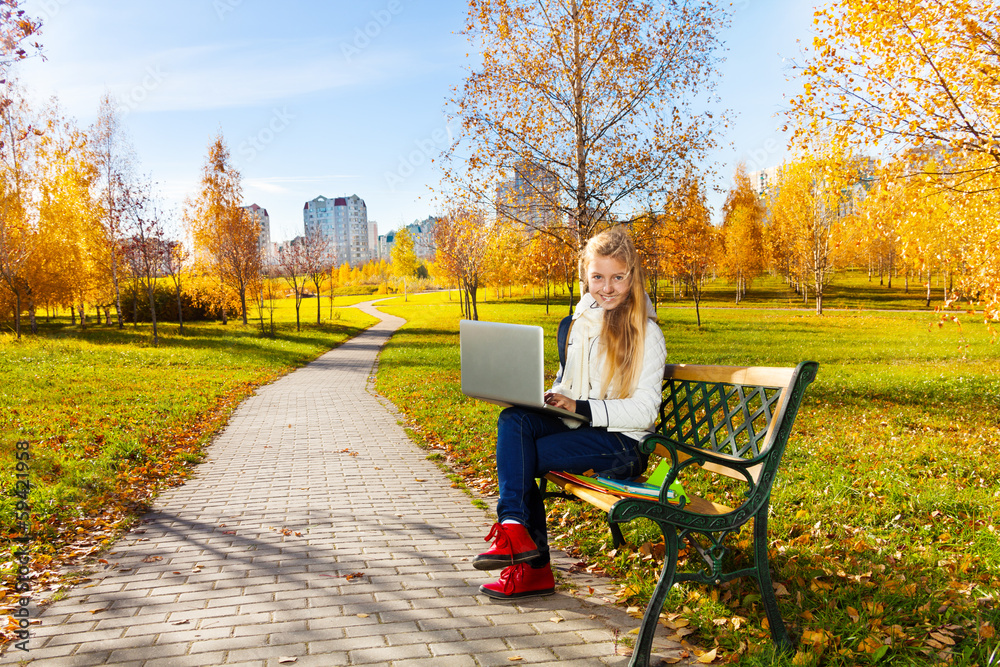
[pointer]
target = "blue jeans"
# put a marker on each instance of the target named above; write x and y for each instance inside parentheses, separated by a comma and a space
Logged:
(530, 444)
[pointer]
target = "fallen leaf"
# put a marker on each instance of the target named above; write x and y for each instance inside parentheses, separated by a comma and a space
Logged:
(362, 615)
(151, 559)
(98, 611)
(286, 659)
(871, 644)
(556, 619)
(515, 658)
(853, 613)
(708, 657)
(419, 479)
(184, 622)
(801, 659)
(943, 638)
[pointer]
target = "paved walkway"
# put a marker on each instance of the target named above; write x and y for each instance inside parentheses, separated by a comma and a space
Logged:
(315, 533)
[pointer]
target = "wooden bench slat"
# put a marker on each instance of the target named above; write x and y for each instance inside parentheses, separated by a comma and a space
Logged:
(600, 500)
(743, 375)
(605, 501)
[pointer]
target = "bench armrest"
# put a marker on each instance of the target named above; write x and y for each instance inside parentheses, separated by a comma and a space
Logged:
(681, 456)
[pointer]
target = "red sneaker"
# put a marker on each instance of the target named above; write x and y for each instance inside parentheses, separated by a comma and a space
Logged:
(521, 581)
(511, 545)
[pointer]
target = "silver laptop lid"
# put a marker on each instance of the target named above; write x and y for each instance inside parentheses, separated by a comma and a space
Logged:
(503, 363)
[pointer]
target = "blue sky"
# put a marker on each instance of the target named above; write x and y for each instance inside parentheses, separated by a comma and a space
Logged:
(335, 98)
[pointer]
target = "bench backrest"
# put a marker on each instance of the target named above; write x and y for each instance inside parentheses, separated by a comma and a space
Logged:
(735, 411)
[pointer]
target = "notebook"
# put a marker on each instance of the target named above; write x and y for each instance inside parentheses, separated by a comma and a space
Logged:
(504, 364)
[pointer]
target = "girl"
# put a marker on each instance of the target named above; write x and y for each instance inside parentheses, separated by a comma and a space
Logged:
(613, 377)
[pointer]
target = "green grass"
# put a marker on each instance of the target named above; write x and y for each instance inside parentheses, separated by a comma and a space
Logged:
(848, 290)
(885, 521)
(111, 419)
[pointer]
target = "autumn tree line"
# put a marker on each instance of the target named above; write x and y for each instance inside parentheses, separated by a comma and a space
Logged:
(591, 104)
(579, 114)
(83, 231)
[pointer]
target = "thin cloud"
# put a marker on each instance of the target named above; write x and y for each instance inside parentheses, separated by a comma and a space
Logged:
(215, 76)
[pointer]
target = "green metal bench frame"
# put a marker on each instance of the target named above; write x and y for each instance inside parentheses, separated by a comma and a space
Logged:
(732, 421)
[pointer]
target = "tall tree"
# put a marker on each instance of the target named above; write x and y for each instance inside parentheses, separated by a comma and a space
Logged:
(18, 226)
(114, 157)
(649, 234)
(291, 266)
(317, 254)
(463, 239)
(742, 236)
(587, 104)
(175, 263)
(226, 237)
(68, 215)
(910, 74)
(692, 239)
(145, 242)
(404, 257)
(812, 200)
(542, 262)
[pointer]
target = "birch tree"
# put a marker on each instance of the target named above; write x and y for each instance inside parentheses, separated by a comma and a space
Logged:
(907, 74)
(463, 240)
(115, 158)
(811, 201)
(291, 265)
(404, 257)
(226, 237)
(919, 79)
(587, 104)
(692, 239)
(19, 133)
(317, 257)
(742, 255)
(68, 215)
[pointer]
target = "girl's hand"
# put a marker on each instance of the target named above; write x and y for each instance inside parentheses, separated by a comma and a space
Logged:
(560, 401)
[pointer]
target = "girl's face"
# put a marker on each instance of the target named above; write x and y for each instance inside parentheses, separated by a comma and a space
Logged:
(609, 281)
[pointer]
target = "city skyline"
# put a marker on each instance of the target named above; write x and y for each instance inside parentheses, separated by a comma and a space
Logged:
(337, 98)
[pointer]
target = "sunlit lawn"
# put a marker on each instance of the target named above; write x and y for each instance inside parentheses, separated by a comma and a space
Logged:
(110, 418)
(884, 526)
(848, 290)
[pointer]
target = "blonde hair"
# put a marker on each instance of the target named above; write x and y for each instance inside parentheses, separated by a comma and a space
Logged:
(623, 331)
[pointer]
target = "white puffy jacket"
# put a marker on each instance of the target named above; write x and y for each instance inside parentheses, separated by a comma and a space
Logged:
(634, 416)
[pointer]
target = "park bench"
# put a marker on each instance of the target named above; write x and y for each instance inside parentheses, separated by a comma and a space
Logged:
(714, 420)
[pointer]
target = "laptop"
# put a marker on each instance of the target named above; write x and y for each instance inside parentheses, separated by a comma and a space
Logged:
(505, 364)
